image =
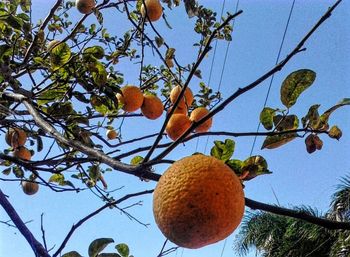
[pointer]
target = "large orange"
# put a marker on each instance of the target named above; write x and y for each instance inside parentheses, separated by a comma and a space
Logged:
(16, 137)
(22, 153)
(177, 125)
(154, 10)
(152, 107)
(85, 6)
(196, 115)
(198, 201)
(131, 98)
(30, 188)
(186, 100)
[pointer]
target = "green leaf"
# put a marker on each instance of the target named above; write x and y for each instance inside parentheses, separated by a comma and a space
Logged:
(60, 55)
(325, 116)
(95, 51)
(283, 123)
(254, 166)
(235, 165)
(18, 172)
(266, 117)
(51, 95)
(223, 150)
(94, 172)
(7, 171)
(123, 249)
(159, 41)
(312, 118)
(295, 84)
(98, 72)
(98, 245)
(136, 160)
(104, 105)
(57, 178)
(335, 132)
(275, 141)
(72, 254)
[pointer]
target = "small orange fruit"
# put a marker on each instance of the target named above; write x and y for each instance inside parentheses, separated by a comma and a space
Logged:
(198, 201)
(30, 188)
(179, 110)
(177, 125)
(196, 115)
(16, 137)
(154, 10)
(22, 153)
(131, 98)
(152, 107)
(111, 134)
(186, 101)
(85, 6)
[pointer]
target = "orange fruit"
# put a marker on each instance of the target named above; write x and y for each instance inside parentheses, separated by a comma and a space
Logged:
(16, 137)
(187, 99)
(131, 98)
(154, 10)
(22, 153)
(177, 125)
(152, 107)
(85, 6)
(111, 134)
(196, 115)
(198, 201)
(30, 188)
(179, 110)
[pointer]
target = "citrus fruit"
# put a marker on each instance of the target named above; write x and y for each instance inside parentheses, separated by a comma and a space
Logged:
(85, 6)
(187, 99)
(131, 98)
(177, 125)
(30, 188)
(196, 115)
(152, 107)
(179, 110)
(198, 201)
(16, 137)
(111, 134)
(154, 10)
(22, 153)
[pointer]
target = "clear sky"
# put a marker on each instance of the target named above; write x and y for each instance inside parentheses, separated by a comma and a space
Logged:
(298, 178)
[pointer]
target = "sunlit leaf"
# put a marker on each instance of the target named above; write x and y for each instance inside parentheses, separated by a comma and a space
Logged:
(72, 254)
(52, 94)
(123, 249)
(223, 150)
(60, 55)
(95, 51)
(275, 141)
(266, 117)
(295, 84)
(57, 178)
(254, 166)
(136, 160)
(335, 132)
(235, 165)
(98, 245)
(325, 116)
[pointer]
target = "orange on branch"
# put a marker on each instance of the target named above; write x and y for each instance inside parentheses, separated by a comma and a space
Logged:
(16, 137)
(154, 10)
(131, 98)
(22, 153)
(186, 100)
(30, 188)
(152, 107)
(177, 125)
(198, 201)
(111, 134)
(179, 110)
(85, 6)
(196, 115)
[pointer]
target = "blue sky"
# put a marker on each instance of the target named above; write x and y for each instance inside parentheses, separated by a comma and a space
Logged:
(298, 179)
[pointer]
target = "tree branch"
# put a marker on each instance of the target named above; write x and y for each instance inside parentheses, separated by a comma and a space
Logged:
(86, 218)
(326, 223)
(241, 91)
(37, 247)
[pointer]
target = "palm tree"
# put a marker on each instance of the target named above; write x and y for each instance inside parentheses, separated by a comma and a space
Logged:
(279, 236)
